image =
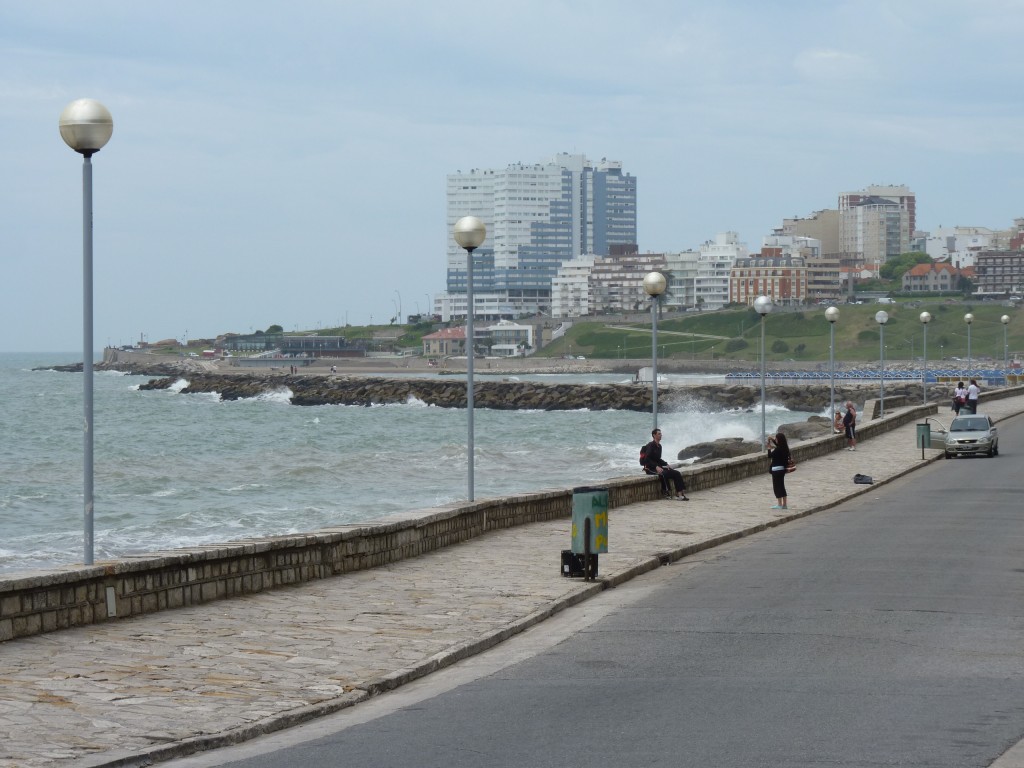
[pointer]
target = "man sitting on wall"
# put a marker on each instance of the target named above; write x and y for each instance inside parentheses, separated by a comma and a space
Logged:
(650, 457)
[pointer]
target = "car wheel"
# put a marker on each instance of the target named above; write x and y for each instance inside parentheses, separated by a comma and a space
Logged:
(991, 452)
(948, 456)
(995, 449)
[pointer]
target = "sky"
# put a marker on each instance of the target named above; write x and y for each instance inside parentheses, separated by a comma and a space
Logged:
(285, 163)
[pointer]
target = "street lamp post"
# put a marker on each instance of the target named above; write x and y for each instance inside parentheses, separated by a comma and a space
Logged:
(654, 285)
(881, 317)
(762, 305)
(832, 315)
(469, 233)
(86, 126)
(968, 318)
(1005, 320)
(925, 318)
(399, 306)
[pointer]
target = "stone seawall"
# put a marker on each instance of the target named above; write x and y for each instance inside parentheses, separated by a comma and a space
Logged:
(516, 395)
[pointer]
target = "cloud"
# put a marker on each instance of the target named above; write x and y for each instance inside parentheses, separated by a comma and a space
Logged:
(830, 66)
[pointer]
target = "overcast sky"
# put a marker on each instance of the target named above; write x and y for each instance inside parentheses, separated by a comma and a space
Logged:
(285, 162)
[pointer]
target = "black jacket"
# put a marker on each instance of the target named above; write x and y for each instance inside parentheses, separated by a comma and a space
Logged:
(652, 457)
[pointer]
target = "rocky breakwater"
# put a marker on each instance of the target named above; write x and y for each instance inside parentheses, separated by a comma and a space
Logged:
(501, 395)
(341, 390)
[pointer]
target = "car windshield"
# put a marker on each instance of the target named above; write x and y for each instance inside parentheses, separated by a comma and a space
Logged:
(969, 425)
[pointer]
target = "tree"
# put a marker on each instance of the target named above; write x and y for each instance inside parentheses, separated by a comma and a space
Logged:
(896, 266)
(275, 329)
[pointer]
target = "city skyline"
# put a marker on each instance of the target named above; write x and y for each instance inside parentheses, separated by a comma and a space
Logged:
(262, 171)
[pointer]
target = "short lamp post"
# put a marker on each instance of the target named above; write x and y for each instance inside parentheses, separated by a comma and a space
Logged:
(1005, 320)
(969, 319)
(881, 317)
(469, 233)
(86, 126)
(925, 318)
(654, 285)
(762, 305)
(832, 315)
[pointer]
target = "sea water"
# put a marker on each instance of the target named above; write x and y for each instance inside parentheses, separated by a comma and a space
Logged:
(175, 470)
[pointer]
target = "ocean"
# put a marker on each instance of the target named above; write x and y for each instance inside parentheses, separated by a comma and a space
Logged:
(174, 470)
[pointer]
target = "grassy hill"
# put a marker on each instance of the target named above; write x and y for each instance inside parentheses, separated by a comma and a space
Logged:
(803, 334)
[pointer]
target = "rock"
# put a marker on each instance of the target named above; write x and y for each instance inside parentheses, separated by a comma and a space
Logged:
(815, 426)
(723, 448)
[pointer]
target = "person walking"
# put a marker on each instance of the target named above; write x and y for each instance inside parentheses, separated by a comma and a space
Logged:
(959, 398)
(780, 457)
(973, 393)
(850, 426)
(655, 465)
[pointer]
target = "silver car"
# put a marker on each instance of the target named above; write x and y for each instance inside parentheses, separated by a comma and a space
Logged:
(972, 435)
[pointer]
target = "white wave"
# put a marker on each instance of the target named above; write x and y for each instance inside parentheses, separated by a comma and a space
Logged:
(164, 493)
(283, 395)
(246, 487)
(177, 386)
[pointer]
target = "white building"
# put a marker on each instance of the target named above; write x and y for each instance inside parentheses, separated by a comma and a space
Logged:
(570, 288)
(711, 285)
(958, 246)
(508, 339)
(877, 222)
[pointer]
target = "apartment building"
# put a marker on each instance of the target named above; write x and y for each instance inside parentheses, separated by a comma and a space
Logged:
(538, 217)
(617, 282)
(772, 273)
(877, 222)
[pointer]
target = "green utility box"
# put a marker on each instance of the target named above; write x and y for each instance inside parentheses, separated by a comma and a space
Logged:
(589, 515)
(924, 435)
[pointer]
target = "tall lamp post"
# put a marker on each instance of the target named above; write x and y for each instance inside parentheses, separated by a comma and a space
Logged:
(925, 318)
(1005, 320)
(469, 233)
(881, 317)
(832, 315)
(762, 305)
(968, 318)
(654, 285)
(86, 127)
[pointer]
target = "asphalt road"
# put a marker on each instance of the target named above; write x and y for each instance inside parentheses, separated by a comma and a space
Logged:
(887, 631)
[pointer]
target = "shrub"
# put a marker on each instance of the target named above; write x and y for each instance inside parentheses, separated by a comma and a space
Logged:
(779, 346)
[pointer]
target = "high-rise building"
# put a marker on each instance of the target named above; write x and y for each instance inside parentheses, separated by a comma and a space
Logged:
(877, 222)
(538, 217)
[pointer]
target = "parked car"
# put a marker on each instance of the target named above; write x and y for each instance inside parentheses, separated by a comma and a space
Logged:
(973, 435)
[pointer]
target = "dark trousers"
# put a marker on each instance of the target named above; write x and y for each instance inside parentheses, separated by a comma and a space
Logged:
(675, 476)
(779, 483)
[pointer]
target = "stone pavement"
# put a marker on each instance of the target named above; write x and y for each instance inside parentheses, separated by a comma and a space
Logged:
(176, 682)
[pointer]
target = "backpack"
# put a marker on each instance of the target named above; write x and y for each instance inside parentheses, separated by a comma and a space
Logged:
(643, 455)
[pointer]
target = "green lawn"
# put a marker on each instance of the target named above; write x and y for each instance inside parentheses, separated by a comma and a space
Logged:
(804, 335)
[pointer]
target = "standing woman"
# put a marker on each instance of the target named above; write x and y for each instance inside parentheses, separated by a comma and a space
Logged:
(778, 454)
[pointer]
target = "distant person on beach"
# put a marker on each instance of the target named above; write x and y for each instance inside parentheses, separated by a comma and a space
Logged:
(779, 456)
(850, 426)
(973, 393)
(655, 465)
